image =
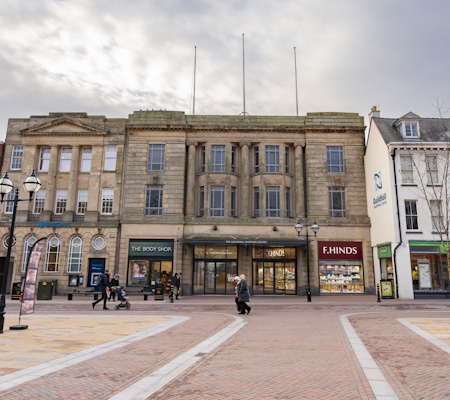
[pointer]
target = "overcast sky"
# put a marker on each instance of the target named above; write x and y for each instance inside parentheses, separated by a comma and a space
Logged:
(111, 57)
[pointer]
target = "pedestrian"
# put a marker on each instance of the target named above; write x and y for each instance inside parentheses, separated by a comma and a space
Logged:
(170, 287)
(244, 295)
(114, 284)
(236, 296)
(103, 283)
(177, 285)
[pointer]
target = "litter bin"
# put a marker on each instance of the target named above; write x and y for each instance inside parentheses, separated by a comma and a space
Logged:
(45, 290)
(159, 291)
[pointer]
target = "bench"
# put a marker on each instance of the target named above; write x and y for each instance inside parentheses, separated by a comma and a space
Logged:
(136, 290)
(83, 291)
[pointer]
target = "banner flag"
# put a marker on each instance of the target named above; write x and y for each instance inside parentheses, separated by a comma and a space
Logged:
(29, 287)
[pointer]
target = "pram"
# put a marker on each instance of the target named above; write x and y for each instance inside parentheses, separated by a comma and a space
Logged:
(121, 296)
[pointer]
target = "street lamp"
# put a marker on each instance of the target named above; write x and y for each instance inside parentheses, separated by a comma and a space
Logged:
(315, 229)
(32, 184)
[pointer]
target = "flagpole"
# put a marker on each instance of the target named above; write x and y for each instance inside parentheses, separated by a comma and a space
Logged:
(296, 87)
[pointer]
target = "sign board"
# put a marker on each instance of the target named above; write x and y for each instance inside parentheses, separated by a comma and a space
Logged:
(386, 289)
(340, 251)
(150, 248)
(424, 274)
(384, 251)
(16, 291)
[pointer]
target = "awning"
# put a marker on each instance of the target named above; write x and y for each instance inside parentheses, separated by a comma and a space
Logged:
(421, 246)
(244, 242)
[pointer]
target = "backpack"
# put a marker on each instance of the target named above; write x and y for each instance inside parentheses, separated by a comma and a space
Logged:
(101, 280)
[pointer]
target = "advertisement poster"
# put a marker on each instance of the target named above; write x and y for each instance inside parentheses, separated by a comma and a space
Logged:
(424, 276)
(139, 271)
(29, 290)
(386, 289)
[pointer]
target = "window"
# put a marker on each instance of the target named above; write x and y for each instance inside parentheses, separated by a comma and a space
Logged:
(44, 159)
(154, 200)
(233, 159)
(432, 170)
(217, 158)
(64, 163)
(272, 201)
(202, 159)
(9, 202)
(52, 254)
(233, 202)
(61, 201)
(201, 209)
(411, 129)
(287, 160)
(29, 243)
(288, 202)
(156, 157)
(217, 201)
(411, 214)
(256, 202)
(39, 199)
(335, 159)
(407, 169)
(256, 159)
(82, 201)
(110, 158)
(336, 201)
(16, 158)
(86, 157)
(436, 216)
(107, 201)
(99, 242)
(272, 159)
(75, 254)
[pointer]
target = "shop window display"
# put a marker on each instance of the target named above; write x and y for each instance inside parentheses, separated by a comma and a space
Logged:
(342, 277)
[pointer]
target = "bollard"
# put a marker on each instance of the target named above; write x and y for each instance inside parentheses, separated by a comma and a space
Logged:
(378, 293)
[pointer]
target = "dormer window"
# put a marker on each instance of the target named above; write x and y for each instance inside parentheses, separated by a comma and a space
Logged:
(411, 129)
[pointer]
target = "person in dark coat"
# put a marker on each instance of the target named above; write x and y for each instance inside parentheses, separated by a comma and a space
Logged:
(236, 297)
(103, 283)
(177, 285)
(114, 283)
(244, 295)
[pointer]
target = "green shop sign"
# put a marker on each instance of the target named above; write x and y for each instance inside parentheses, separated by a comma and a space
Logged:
(384, 251)
(151, 248)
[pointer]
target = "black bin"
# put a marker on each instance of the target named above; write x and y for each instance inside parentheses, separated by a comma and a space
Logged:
(45, 290)
(159, 291)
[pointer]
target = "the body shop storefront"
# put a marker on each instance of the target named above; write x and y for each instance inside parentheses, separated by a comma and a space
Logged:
(149, 262)
(341, 267)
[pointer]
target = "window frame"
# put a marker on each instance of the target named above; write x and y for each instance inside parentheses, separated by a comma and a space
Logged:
(73, 260)
(272, 167)
(333, 168)
(110, 163)
(39, 196)
(201, 206)
(65, 159)
(86, 160)
(107, 201)
(256, 201)
(270, 191)
(60, 201)
(436, 205)
(408, 126)
(287, 160)
(82, 201)
(202, 158)
(16, 158)
(155, 150)
(26, 251)
(288, 203)
(44, 161)
(218, 151)
(217, 192)
(233, 202)
(407, 174)
(410, 216)
(432, 171)
(9, 202)
(256, 159)
(337, 212)
(49, 252)
(158, 210)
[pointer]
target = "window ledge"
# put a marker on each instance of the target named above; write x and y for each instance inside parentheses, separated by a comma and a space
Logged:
(434, 185)
(437, 232)
(414, 232)
(408, 184)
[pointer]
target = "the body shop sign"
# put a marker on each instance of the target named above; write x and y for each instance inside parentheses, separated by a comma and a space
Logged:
(151, 248)
(340, 251)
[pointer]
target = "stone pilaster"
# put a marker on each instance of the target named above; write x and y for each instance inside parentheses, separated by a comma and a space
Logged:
(51, 185)
(72, 188)
(190, 185)
(299, 184)
(94, 193)
(244, 180)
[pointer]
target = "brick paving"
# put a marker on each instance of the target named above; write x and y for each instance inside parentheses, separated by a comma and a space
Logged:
(288, 350)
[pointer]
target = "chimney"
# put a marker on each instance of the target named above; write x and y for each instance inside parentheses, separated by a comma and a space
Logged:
(374, 113)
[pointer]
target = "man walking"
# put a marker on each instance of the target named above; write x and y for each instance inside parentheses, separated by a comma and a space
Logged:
(103, 283)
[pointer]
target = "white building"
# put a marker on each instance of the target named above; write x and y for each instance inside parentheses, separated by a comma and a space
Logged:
(406, 164)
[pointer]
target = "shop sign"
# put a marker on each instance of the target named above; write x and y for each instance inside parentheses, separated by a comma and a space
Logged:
(43, 224)
(340, 251)
(384, 251)
(380, 199)
(386, 289)
(151, 248)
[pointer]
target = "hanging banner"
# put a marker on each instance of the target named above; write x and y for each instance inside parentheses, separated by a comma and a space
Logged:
(29, 287)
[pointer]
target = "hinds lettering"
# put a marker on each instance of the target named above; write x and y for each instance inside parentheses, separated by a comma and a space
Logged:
(340, 250)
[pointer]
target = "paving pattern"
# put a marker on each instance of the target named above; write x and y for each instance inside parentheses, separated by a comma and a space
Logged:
(288, 349)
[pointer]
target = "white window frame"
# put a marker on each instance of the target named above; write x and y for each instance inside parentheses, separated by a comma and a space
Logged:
(431, 163)
(61, 201)
(155, 151)
(16, 158)
(110, 158)
(272, 154)
(218, 158)
(75, 257)
(29, 243)
(107, 201)
(411, 130)
(86, 159)
(9, 202)
(44, 159)
(150, 208)
(411, 216)
(82, 200)
(273, 209)
(39, 200)
(217, 201)
(334, 168)
(52, 242)
(437, 218)
(65, 160)
(407, 170)
(337, 212)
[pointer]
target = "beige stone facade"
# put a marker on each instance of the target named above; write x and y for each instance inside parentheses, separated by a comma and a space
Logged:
(207, 197)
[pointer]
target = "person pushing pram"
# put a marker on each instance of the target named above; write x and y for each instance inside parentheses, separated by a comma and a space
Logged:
(122, 297)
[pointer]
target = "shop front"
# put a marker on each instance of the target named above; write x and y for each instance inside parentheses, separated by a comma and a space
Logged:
(149, 262)
(386, 271)
(429, 269)
(341, 267)
(274, 270)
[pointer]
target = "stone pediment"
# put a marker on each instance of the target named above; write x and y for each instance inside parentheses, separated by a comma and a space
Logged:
(64, 126)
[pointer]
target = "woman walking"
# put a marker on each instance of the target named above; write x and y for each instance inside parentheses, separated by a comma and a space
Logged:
(244, 295)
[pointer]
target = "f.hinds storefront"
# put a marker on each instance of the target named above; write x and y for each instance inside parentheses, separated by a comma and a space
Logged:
(341, 267)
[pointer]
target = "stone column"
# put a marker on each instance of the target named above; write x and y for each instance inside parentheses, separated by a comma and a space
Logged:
(51, 185)
(190, 184)
(72, 188)
(94, 192)
(244, 180)
(299, 184)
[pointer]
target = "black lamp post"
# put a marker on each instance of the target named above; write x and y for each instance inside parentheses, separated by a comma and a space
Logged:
(315, 229)
(32, 184)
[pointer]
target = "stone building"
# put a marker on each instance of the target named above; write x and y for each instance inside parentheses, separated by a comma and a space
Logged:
(78, 159)
(204, 196)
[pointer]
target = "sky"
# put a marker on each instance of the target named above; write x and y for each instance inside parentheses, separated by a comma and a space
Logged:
(113, 57)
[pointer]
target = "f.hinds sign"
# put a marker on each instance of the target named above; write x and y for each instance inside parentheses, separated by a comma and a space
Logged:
(340, 251)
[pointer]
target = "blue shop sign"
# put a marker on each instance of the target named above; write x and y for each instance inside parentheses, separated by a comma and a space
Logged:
(54, 224)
